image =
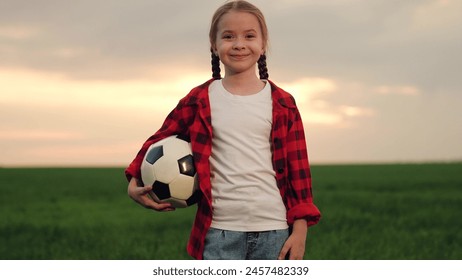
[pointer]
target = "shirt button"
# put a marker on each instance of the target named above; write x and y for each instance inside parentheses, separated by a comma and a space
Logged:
(280, 170)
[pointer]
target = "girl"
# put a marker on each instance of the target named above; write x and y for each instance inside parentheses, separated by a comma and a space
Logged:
(249, 148)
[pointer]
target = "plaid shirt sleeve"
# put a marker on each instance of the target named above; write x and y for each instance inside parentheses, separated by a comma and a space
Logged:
(290, 160)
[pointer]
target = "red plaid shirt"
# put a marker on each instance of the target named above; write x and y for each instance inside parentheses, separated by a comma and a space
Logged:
(192, 118)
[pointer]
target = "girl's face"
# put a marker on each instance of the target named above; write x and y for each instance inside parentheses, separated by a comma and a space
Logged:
(239, 42)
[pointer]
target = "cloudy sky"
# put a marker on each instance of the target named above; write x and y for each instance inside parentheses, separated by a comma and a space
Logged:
(86, 82)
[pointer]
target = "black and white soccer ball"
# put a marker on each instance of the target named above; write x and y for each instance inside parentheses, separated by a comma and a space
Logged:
(168, 167)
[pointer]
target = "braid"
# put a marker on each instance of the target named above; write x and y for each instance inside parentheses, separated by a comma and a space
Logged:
(263, 71)
(216, 66)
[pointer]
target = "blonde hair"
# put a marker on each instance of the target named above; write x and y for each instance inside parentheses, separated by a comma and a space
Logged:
(240, 6)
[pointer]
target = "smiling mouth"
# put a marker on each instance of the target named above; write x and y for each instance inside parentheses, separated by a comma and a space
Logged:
(240, 56)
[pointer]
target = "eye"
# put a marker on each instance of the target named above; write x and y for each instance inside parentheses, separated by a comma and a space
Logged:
(227, 36)
(250, 36)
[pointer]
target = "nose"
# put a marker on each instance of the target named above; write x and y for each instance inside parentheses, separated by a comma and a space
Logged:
(239, 44)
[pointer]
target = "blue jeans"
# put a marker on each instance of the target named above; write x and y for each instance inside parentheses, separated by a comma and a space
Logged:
(236, 245)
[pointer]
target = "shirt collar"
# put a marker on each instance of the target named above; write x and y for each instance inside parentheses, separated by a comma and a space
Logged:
(199, 95)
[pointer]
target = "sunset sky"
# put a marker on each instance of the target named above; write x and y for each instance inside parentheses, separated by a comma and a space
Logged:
(86, 82)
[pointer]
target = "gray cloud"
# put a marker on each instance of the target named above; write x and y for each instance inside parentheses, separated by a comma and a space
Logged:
(92, 39)
(371, 41)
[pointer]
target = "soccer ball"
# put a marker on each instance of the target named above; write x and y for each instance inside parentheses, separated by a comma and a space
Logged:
(168, 167)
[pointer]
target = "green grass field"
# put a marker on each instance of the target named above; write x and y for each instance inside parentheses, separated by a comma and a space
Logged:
(369, 212)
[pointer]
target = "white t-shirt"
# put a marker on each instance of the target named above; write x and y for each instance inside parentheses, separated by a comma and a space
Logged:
(245, 196)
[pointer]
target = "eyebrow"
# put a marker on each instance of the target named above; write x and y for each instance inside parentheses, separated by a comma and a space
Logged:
(232, 31)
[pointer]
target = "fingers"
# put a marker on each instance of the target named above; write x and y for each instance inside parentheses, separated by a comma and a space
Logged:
(295, 255)
(141, 196)
(295, 251)
(162, 207)
(147, 202)
(284, 251)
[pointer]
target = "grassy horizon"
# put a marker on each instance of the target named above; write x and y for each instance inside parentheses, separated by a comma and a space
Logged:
(370, 211)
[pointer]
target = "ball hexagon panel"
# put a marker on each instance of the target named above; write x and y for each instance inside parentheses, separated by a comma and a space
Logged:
(166, 168)
(179, 187)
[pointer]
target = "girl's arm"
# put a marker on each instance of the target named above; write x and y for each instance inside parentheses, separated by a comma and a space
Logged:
(140, 195)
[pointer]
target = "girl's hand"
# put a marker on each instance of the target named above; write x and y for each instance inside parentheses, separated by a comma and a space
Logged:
(295, 244)
(140, 196)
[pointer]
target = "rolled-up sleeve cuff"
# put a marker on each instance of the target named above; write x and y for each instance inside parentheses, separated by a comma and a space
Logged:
(133, 170)
(306, 211)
